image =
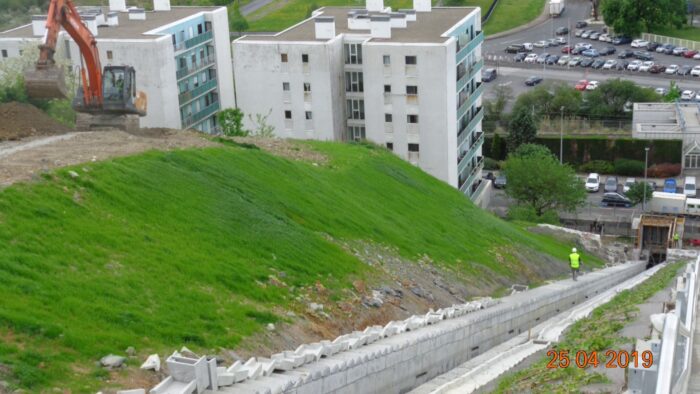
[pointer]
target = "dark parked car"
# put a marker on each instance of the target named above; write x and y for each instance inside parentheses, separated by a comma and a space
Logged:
(598, 63)
(666, 48)
(500, 182)
(577, 51)
(586, 62)
(615, 199)
(489, 176)
(622, 65)
(562, 31)
(520, 57)
(594, 35)
(611, 184)
(652, 46)
(657, 68)
(643, 55)
(625, 54)
(581, 24)
(515, 48)
(684, 70)
(607, 51)
(621, 40)
(532, 81)
(489, 75)
(552, 59)
(590, 53)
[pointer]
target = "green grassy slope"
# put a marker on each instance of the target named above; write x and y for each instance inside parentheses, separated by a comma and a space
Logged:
(168, 249)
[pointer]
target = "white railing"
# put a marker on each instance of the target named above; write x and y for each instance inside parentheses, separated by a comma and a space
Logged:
(679, 42)
(677, 338)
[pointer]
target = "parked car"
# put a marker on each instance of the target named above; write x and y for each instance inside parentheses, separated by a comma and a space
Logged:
(593, 85)
(661, 91)
(531, 58)
(578, 32)
(532, 81)
(586, 62)
(607, 51)
(592, 182)
(561, 40)
(581, 24)
(639, 43)
(678, 51)
(633, 66)
(628, 184)
(552, 59)
(489, 75)
(687, 95)
(670, 185)
(615, 199)
(621, 40)
(643, 55)
(605, 37)
(553, 42)
(561, 31)
(515, 48)
(672, 69)
(542, 58)
(665, 48)
(566, 49)
(684, 70)
(577, 50)
(541, 44)
(697, 56)
(657, 68)
(625, 54)
(609, 64)
(689, 54)
(528, 46)
(652, 46)
(583, 45)
(595, 35)
(645, 66)
(695, 71)
(598, 63)
(587, 33)
(621, 65)
(590, 53)
(489, 176)
(520, 57)
(581, 85)
(564, 60)
(610, 184)
(690, 187)
(500, 182)
(574, 61)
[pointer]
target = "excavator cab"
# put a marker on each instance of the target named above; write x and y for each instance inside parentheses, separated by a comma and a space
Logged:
(119, 95)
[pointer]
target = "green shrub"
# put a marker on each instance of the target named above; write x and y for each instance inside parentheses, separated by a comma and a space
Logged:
(629, 167)
(491, 164)
(599, 166)
(522, 213)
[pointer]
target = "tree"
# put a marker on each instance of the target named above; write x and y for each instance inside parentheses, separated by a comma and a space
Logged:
(674, 93)
(494, 115)
(310, 9)
(612, 99)
(636, 192)
(538, 101)
(632, 17)
(262, 129)
(231, 122)
(237, 21)
(521, 130)
(536, 180)
(496, 148)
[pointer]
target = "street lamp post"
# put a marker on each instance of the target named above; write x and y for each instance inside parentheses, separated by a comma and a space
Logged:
(646, 184)
(561, 136)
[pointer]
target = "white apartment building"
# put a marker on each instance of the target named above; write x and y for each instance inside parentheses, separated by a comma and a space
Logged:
(181, 56)
(409, 80)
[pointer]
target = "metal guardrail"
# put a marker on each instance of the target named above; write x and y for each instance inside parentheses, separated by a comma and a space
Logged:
(677, 338)
(690, 44)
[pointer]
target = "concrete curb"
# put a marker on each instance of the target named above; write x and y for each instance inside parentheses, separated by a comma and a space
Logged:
(537, 21)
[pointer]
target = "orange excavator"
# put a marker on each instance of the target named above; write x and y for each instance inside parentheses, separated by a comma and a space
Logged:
(106, 98)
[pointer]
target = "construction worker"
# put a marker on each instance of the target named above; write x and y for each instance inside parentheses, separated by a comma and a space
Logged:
(575, 262)
(676, 240)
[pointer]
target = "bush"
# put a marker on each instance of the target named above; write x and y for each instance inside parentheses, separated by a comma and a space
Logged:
(664, 170)
(491, 164)
(522, 213)
(629, 167)
(599, 166)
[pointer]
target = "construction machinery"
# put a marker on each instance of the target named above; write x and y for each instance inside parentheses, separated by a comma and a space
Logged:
(106, 98)
(655, 235)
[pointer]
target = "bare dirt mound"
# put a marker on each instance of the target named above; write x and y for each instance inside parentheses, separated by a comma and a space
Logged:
(21, 120)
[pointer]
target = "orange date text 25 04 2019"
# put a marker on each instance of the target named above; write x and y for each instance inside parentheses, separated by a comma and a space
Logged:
(613, 359)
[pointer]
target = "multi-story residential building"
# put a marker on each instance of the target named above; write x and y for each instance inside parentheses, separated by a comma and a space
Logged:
(409, 80)
(182, 56)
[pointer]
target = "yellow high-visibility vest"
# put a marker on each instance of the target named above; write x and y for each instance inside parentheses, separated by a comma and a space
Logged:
(574, 259)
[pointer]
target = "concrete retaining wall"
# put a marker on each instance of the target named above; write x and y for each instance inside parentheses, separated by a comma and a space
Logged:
(402, 362)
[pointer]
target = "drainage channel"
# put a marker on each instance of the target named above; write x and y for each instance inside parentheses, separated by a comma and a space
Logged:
(485, 369)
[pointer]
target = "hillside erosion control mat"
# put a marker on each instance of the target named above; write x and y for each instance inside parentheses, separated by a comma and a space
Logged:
(21, 120)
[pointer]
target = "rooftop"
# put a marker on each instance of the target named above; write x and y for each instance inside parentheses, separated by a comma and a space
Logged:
(127, 29)
(428, 27)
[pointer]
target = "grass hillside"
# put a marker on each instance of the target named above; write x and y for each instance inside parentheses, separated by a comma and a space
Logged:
(167, 249)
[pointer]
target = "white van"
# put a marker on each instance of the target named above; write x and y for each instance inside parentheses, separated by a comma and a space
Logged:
(693, 207)
(690, 187)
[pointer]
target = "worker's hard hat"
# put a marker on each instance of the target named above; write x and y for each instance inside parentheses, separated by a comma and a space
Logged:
(573, 250)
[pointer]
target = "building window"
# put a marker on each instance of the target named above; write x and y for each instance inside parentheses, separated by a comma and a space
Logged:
(387, 88)
(356, 109)
(285, 86)
(353, 53)
(387, 118)
(412, 118)
(183, 63)
(200, 28)
(288, 114)
(413, 148)
(110, 55)
(308, 115)
(390, 146)
(21, 52)
(4, 53)
(411, 90)
(284, 58)
(357, 133)
(411, 60)
(304, 58)
(307, 87)
(354, 82)
(387, 60)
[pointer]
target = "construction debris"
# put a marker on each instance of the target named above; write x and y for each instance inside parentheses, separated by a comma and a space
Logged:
(21, 120)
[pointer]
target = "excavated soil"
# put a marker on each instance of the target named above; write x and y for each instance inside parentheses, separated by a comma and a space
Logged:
(21, 120)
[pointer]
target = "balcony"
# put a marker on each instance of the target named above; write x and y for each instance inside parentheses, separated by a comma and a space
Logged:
(478, 40)
(466, 156)
(194, 41)
(470, 100)
(186, 72)
(469, 74)
(196, 92)
(464, 132)
(466, 184)
(201, 115)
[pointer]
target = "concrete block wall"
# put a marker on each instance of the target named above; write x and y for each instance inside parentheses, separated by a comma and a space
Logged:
(401, 362)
